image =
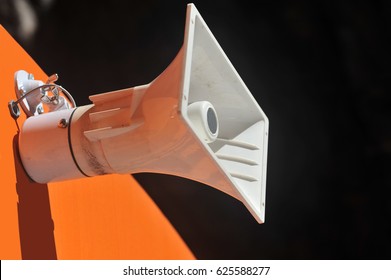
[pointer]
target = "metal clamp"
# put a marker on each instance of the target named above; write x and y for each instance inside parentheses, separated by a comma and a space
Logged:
(32, 94)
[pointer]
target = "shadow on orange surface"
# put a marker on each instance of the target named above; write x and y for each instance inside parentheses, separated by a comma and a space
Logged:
(35, 221)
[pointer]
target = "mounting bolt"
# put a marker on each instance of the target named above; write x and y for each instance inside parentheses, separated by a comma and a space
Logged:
(14, 109)
(63, 123)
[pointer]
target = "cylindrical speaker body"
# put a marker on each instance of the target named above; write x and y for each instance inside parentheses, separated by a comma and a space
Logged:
(45, 148)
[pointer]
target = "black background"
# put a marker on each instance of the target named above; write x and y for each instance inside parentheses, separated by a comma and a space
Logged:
(321, 72)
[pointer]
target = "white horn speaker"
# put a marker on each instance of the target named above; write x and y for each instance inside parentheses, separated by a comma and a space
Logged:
(196, 120)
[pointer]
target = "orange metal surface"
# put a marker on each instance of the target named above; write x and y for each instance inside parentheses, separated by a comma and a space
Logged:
(106, 217)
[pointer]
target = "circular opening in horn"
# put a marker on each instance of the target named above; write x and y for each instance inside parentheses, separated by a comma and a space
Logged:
(204, 120)
(212, 120)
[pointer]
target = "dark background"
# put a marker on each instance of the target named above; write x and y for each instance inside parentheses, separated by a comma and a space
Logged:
(321, 72)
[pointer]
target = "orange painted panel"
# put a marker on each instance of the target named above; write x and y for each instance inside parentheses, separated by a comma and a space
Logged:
(106, 217)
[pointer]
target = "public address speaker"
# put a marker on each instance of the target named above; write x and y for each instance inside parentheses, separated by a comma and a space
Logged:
(196, 120)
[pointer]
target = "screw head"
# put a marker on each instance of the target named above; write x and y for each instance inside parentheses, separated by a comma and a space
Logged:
(63, 123)
(40, 110)
(14, 109)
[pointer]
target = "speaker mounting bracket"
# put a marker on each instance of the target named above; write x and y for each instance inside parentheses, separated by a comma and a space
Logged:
(36, 97)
